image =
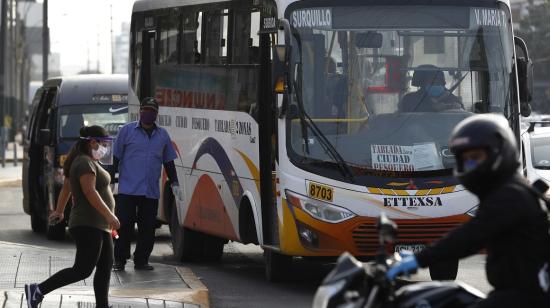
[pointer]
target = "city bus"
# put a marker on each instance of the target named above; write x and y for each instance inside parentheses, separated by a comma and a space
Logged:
(298, 122)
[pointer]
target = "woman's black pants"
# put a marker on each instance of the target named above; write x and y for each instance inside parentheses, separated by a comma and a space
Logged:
(94, 249)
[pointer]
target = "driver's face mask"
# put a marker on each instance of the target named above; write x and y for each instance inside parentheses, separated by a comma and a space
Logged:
(435, 91)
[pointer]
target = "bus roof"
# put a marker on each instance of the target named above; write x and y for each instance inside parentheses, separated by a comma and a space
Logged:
(146, 5)
(79, 89)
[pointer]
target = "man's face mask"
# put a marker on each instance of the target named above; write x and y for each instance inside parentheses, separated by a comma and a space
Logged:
(435, 91)
(147, 116)
(472, 159)
(470, 164)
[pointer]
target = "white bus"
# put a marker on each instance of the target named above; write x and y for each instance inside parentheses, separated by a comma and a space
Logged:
(298, 122)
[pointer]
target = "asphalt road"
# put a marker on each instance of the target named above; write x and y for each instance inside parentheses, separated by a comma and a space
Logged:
(237, 280)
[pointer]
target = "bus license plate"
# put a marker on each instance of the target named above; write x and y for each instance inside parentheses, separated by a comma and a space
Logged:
(320, 192)
(413, 247)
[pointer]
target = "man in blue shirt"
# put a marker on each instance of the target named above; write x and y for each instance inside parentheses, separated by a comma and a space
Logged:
(140, 151)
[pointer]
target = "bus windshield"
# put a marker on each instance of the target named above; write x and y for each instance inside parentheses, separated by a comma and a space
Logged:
(110, 116)
(379, 89)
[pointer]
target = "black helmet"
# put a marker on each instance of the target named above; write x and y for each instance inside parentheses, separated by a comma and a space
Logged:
(490, 133)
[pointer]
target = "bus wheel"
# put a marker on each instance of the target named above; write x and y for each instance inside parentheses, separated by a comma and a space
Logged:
(186, 243)
(38, 224)
(277, 266)
(56, 232)
(212, 249)
(444, 270)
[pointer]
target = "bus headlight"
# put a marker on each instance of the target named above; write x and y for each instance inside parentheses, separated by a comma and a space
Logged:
(319, 209)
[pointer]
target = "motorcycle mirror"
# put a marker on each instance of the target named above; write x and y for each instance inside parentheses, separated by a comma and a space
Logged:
(347, 267)
(387, 230)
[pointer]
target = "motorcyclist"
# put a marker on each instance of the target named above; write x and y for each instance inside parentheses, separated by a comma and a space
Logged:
(510, 222)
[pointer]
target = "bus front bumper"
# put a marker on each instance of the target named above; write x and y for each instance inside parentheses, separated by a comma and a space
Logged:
(302, 235)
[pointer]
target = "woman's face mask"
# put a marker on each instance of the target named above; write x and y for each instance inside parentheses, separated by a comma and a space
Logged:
(147, 116)
(100, 152)
(435, 91)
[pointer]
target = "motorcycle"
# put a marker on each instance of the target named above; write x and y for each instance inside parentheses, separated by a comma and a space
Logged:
(352, 284)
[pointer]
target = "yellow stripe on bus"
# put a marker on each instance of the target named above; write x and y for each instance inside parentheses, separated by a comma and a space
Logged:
(253, 169)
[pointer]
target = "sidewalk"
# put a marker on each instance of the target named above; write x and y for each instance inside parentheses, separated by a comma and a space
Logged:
(166, 286)
(10, 153)
(11, 175)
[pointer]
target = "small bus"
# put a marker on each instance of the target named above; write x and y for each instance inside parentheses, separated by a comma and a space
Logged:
(60, 107)
(297, 122)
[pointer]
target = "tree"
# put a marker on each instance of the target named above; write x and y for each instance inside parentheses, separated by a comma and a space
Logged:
(535, 30)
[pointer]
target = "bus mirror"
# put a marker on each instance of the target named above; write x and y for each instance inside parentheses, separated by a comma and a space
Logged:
(525, 72)
(44, 137)
(525, 109)
(281, 60)
(368, 39)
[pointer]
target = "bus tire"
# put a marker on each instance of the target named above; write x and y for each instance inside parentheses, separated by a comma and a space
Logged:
(212, 247)
(56, 232)
(277, 266)
(444, 270)
(186, 243)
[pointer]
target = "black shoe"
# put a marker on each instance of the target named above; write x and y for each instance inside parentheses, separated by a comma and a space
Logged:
(144, 267)
(34, 297)
(118, 266)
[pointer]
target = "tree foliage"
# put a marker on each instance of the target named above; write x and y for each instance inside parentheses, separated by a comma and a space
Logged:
(535, 30)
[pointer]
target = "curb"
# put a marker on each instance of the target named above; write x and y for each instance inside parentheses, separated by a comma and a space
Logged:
(10, 183)
(197, 294)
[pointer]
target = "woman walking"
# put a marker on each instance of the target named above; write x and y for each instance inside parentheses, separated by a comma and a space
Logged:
(91, 221)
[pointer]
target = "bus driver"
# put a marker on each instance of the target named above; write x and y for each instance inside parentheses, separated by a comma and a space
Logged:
(432, 96)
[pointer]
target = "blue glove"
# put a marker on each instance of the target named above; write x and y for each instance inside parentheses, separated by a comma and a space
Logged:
(406, 265)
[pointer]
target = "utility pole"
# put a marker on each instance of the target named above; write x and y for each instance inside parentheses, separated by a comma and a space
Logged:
(112, 47)
(3, 101)
(98, 46)
(45, 41)
(3, 26)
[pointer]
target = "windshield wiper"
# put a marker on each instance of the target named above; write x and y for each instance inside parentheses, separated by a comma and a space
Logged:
(329, 148)
(451, 89)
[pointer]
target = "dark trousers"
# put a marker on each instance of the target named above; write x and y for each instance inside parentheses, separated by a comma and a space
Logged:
(129, 210)
(94, 249)
(512, 299)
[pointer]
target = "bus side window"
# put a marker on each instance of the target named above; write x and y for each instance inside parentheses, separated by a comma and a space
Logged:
(189, 52)
(241, 31)
(199, 57)
(212, 32)
(254, 44)
(168, 39)
(136, 56)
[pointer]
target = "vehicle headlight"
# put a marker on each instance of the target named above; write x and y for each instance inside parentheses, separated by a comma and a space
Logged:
(319, 210)
(472, 212)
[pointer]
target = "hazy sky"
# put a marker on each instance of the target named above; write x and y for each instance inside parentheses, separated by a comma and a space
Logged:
(79, 28)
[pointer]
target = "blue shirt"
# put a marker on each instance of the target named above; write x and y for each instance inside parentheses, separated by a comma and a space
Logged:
(141, 158)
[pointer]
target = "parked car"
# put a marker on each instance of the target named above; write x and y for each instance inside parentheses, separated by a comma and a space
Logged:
(535, 141)
(59, 109)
